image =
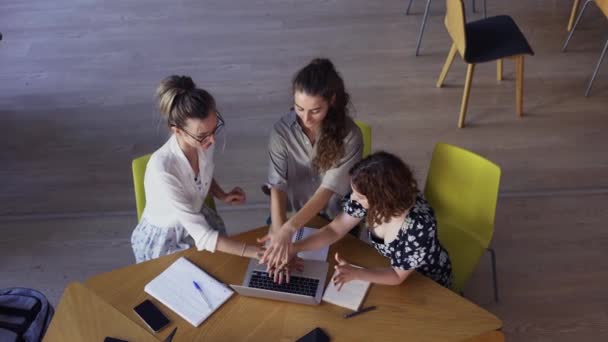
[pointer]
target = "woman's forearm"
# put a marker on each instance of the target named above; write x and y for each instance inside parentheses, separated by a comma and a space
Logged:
(278, 208)
(216, 190)
(384, 276)
(314, 205)
(324, 237)
(227, 245)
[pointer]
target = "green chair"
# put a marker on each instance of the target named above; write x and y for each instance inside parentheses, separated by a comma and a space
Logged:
(366, 132)
(462, 187)
(138, 166)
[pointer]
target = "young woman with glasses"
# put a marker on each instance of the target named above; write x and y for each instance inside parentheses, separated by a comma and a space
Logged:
(179, 176)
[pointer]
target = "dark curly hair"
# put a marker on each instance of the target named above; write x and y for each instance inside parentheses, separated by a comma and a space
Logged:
(388, 184)
(320, 78)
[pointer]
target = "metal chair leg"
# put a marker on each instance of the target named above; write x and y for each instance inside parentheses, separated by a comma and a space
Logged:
(485, 12)
(426, 15)
(494, 279)
(409, 5)
(578, 19)
(597, 68)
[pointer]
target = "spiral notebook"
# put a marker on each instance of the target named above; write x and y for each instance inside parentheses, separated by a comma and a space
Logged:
(174, 288)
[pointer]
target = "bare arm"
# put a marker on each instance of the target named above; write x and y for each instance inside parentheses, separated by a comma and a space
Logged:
(216, 190)
(227, 245)
(315, 204)
(278, 208)
(327, 235)
(385, 276)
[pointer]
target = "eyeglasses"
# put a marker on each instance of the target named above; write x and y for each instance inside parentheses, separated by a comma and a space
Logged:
(206, 136)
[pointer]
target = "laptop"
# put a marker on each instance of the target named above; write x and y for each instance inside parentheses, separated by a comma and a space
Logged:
(305, 287)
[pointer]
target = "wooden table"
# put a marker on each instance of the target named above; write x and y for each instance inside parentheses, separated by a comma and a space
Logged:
(418, 310)
(490, 336)
(83, 316)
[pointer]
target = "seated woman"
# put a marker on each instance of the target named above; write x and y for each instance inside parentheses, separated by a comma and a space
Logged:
(311, 150)
(179, 176)
(401, 225)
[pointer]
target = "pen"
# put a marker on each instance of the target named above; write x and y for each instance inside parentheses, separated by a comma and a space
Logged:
(171, 335)
(355, 313)
(200, 290)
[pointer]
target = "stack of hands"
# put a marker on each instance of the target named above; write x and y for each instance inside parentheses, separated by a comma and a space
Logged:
(280, 257)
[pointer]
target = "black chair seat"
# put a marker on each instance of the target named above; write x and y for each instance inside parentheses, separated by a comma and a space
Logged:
(494, 38)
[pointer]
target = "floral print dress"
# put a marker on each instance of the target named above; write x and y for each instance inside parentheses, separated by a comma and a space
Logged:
(416, 245)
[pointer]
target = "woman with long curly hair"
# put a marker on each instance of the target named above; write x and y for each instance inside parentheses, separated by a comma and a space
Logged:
(311, 150)
(401, 225)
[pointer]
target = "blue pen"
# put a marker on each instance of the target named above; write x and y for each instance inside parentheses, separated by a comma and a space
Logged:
(200, 290)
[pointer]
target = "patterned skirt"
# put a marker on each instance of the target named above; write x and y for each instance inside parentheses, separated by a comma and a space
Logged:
(149, 241)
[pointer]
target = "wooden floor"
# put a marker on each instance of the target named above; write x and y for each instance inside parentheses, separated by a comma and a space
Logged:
(76, 105)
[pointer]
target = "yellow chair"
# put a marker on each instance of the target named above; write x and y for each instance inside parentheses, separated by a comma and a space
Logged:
(138, 166)
(490, 39)
(462, 187)
(366, 132)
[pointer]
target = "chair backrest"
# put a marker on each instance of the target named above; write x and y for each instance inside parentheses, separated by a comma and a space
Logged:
(366, 132)
(462, 187)
(138, 166)
(455, 23)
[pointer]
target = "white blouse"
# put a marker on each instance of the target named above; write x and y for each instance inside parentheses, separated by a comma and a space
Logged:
(172, 195)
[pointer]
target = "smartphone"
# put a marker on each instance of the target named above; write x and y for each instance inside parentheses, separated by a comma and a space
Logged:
(112, 339)
(151, 315)
(315, 335)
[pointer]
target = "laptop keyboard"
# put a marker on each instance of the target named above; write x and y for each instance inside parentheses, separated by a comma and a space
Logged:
(296, 285)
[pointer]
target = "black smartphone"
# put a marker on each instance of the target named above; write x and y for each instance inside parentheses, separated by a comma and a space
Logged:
(316, 335)
(151, 315)
(112, 339)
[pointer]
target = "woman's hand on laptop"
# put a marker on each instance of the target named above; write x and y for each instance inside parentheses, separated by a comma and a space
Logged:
(283, 274)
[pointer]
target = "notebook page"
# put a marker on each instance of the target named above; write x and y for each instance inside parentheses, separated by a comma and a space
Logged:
(174, 288)
(350, 296)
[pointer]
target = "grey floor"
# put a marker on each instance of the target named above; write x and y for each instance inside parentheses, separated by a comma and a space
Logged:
(76, 105)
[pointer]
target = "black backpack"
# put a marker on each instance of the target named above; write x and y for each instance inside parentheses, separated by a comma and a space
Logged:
(25, 315)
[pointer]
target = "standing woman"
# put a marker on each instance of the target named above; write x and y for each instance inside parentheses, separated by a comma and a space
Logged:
(179, 176)
(311, 150)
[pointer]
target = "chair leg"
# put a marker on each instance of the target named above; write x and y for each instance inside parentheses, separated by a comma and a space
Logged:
(465, 95)
(499, 70)
(447, 65)
(494, 278)
(573, 14)
(578, 19)
(519, 86)
(597, 68)
(473, 5)
(426, 15)
(485, 9)
(409, 5)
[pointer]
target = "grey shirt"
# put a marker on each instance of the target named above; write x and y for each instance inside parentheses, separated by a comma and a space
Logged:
(291, 170)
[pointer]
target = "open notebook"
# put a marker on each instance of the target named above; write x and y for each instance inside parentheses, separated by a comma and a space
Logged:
(174, 288)
(350, 296)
